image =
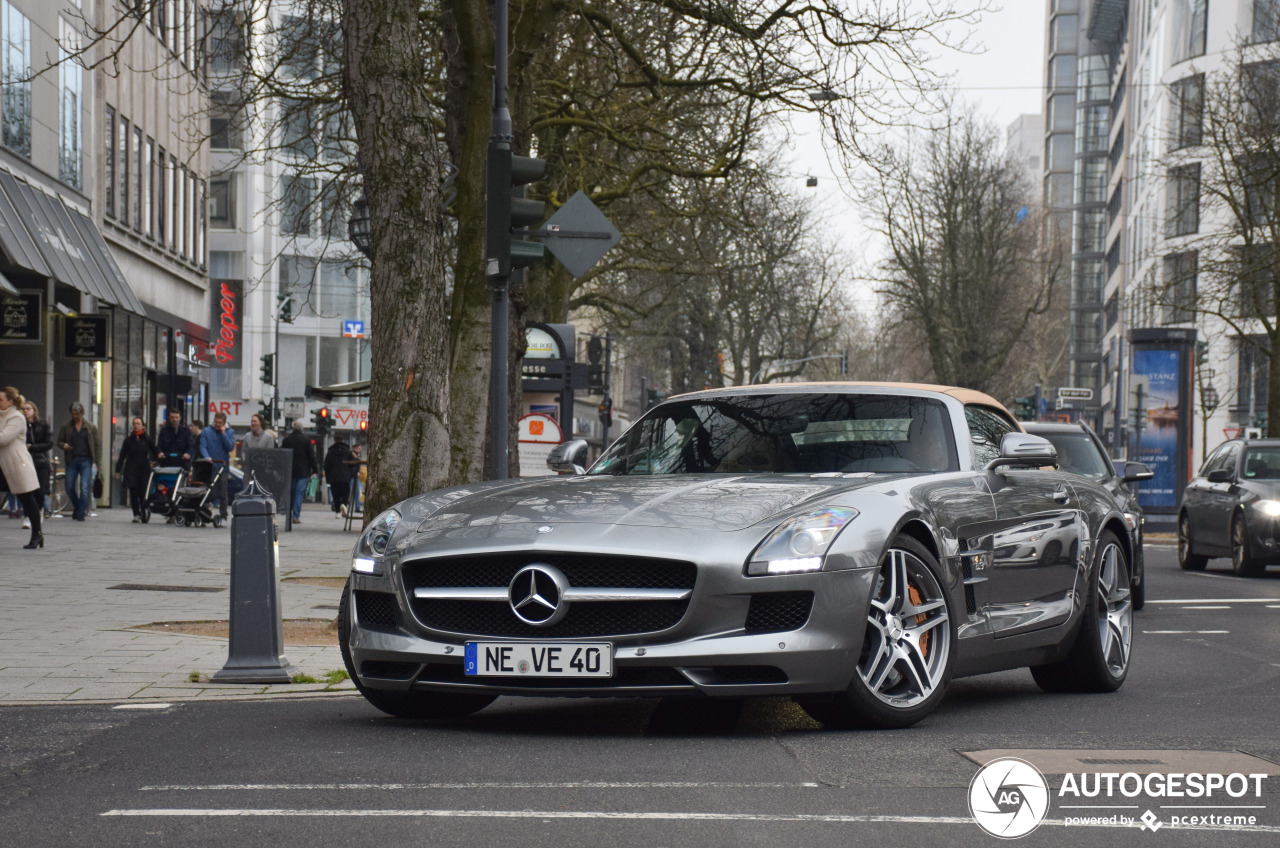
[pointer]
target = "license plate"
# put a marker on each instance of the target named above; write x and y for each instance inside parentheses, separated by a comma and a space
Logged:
(535, 659)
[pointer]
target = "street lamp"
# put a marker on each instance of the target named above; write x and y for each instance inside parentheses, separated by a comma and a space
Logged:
(358, 229)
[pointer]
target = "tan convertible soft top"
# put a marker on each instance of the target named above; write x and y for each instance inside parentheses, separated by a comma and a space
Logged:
(962, 395)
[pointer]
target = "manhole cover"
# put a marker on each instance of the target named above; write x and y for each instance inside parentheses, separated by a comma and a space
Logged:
(156, 587)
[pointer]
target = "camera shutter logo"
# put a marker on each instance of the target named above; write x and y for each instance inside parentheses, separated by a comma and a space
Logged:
(1008, 798)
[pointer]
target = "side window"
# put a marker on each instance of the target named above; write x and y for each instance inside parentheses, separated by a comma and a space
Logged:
(1228, 459)
(986, 429)
(1211, 462)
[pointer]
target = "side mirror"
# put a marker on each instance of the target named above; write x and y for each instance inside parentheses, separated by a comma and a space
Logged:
(1219, 475)
(1026, 450)
(1135, 471)
(569, 457)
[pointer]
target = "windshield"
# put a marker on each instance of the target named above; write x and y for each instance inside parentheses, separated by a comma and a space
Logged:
(786, 433)
(1078, 454)
(1262, 463)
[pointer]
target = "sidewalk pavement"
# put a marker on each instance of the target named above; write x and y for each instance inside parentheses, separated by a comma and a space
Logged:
(70, 634)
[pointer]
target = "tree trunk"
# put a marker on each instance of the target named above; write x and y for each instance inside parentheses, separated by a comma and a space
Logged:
(469, 114)
(386, 87)
(1273, 388)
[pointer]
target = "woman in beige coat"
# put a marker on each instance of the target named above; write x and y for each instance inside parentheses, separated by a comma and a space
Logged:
(15, 460)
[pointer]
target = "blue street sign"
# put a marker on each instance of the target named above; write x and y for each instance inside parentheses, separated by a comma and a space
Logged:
(353, 329)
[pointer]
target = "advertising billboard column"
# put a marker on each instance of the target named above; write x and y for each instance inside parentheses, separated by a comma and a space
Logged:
(1160, 415)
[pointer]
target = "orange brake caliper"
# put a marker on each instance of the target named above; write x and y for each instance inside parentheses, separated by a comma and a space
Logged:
(916, 600)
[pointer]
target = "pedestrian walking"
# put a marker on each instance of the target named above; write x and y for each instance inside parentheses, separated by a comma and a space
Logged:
(195, 429)
(304, 465)
(259, 436)
(217, 441)
(338, 474)
(78, 439)
(39, 445)
(133, 466)
(173, 441)
(16, 464)
(361, 477)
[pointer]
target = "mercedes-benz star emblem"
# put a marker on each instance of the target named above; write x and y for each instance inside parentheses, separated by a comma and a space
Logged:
(546, 528)
(536, 594)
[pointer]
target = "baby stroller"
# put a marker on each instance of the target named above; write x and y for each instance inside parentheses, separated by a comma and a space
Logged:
(193, 505)
(162, 491)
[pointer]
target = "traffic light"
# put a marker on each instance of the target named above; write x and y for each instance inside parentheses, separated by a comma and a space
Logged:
(284, 307)
(269, 369)
(321, 420)
(1026, 407)
(265, 413)
(844, 363)
(1202, 354)
(509, 210)
(364, 426)
(606, 411)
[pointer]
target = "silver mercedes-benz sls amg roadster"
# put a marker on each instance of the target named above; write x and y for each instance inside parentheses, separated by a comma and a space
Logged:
(853, 545)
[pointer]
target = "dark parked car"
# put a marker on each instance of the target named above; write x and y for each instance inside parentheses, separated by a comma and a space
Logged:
(1080, 451)
(1232, 508)
(855, 546)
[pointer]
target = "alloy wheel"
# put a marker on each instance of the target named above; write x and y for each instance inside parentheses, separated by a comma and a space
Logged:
(908, 640)
(1115, 611)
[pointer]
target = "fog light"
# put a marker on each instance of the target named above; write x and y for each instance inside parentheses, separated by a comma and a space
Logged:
(794, 565)
(364, 565)
(1268, 508)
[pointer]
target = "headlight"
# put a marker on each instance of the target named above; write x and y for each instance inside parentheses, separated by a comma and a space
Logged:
(373, 542)
(800, 543)
(1271, 509)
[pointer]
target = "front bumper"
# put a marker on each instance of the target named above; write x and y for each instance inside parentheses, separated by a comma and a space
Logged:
(708, 652)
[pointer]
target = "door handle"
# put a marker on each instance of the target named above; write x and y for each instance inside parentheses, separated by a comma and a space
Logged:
(1061, 495)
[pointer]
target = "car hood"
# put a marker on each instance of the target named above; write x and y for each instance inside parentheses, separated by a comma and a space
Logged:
(694, 501)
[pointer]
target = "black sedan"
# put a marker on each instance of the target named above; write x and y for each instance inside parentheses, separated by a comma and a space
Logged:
(1231, 508)
(855, 546)
(1080, 451)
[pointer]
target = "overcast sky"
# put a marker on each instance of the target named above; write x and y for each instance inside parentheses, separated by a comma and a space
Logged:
(1002, 76)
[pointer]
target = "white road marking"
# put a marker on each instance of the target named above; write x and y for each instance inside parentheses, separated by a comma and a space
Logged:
(638, 816)
(148, 706)
(1208, 606)
(579, 784)
(1217, 600)
(1181, 632)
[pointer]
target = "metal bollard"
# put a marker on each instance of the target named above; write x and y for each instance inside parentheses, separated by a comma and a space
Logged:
(255, 653)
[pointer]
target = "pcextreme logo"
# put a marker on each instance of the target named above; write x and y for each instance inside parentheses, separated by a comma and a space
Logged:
(1008, 798)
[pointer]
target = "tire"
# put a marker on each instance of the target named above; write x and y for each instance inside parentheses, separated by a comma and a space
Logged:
(411, 705)
(145, 514)
(1242, 563)
(180, 520)
(908, 650)
(1188, 560)
(1102, 648)
(1138, 577)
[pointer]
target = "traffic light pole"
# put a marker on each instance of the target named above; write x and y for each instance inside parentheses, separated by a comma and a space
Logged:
(498, 247)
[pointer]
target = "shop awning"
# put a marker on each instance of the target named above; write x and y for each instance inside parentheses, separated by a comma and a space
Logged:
(356, 388)
(41, 233)
(7, 287)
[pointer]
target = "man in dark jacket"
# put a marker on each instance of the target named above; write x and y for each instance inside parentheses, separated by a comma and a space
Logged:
(337, 472)
(304, 465)
(78, 439)
(173, 442)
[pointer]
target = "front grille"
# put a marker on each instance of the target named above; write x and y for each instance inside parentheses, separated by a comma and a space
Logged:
(740, 675)
(622, 676)
(388, 670)
(775, 612)
(583, 619)
(376, 610)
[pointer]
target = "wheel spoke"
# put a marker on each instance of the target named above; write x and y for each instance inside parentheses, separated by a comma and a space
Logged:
(918, 667)
(924, 608)
(880, 668)
(1118, 641)
(921, 629)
